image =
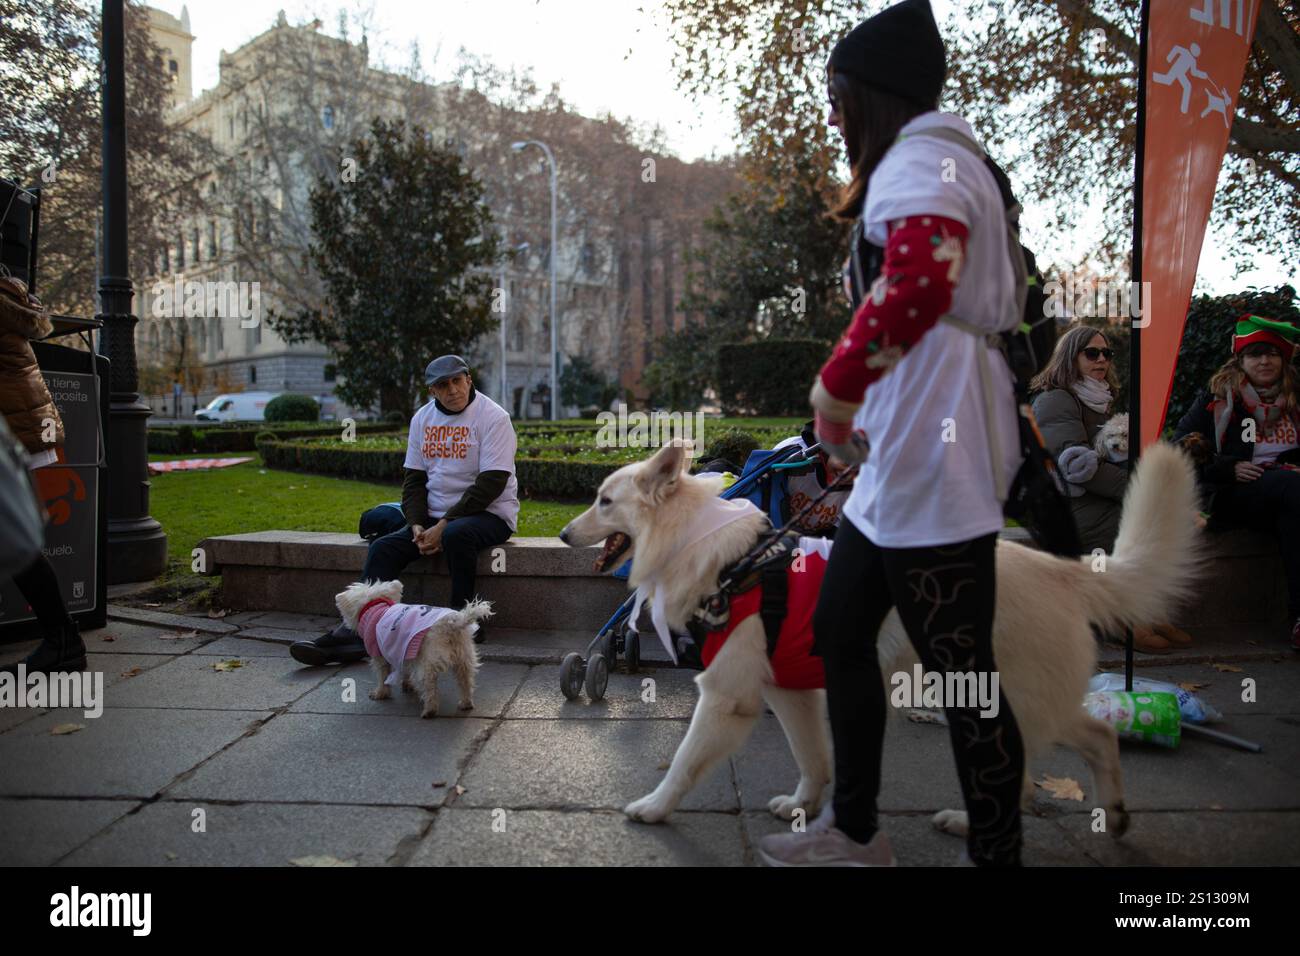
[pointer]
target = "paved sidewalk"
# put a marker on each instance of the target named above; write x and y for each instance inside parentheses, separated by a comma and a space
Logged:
(286, 766)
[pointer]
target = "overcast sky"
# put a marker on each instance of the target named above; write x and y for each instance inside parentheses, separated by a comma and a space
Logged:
(610, 55)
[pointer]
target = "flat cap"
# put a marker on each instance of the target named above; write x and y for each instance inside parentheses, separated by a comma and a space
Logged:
(443, 368)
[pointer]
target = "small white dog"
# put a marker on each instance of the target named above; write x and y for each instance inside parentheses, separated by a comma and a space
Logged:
(1044, 647)
(1111, 442)
(414, 643)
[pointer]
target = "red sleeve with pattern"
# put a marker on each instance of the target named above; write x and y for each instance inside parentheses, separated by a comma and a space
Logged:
(923, 260)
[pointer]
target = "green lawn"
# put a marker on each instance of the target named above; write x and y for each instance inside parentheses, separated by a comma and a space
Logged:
(193, 505)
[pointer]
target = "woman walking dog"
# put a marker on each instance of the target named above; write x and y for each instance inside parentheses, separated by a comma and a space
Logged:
(930, 240)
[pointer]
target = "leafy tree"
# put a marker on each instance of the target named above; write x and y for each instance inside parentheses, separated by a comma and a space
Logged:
(403, 253)
(1050, 86)
(50, 136)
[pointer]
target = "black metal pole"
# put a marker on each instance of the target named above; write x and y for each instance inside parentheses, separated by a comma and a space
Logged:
(136, 543)
(1135, 331)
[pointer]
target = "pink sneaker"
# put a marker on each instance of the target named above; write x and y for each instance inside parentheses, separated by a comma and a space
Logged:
(825, 845)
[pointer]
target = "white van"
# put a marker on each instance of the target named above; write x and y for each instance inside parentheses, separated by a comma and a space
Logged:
(236, 407)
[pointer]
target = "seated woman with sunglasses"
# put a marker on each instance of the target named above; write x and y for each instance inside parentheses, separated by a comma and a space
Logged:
(1076, 390)
(1247, 424)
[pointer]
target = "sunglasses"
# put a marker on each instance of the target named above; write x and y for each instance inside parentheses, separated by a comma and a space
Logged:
(1095, 353)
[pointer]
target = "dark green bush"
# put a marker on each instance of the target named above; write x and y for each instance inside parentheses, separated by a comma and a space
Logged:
(733, 444)
(292, 408)
(185, 439)
(771, 377)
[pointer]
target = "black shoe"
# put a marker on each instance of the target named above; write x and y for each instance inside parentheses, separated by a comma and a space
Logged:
(58, 653)
(339, 646)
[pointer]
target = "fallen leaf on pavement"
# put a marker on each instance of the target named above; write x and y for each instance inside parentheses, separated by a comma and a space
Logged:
(152, 605)
(215, 613)
(62, 729)
(439, 783)
(663, 766)
(1191, 685)
(1226, 668)
(322, 861)
(132, 672)
(171, 856)
(108, 637)
(459, 790)
(227, 665)
(1255, 643)
(923, 717)
(177, 637)
(1062, 788)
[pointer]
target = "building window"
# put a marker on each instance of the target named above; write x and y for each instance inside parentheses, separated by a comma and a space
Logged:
(327, 117)
(173, 67)
(194, 238)
(180, 254)
(331, 372)
(252, 374)
(212, 239)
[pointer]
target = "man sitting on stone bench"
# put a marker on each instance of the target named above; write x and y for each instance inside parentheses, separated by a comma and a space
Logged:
(459, 496)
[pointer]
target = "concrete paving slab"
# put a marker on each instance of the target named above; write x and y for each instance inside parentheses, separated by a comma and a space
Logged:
(495, 686)
(190, 682)
(626, 696)
(128, 638)
(288, 621)
(1198, 838)
(562, 764)
(123, 753)
(279, 636)
(333, 758)
(242, 645)
(63, 825)
(549, 838)
(253, 834)
(140, 615)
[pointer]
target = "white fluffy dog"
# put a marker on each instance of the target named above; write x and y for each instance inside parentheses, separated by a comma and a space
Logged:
(1043, 645)
(388, 629)
(1111, 442)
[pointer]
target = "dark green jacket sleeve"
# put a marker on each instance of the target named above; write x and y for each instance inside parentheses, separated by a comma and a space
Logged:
(486, 489)
(415, 502)
(1061, 422)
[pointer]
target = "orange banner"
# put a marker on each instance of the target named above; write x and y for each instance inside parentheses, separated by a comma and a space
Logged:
(1196, 56)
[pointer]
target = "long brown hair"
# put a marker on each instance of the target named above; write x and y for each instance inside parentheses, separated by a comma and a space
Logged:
(871, 120)
(1062, 369)
(1232, 374)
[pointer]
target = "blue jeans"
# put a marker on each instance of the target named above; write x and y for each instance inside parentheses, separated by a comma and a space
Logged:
(462, 540)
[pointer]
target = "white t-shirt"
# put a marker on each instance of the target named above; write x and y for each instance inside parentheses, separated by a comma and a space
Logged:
(1274, 441)
(454, 449)
(929, 480)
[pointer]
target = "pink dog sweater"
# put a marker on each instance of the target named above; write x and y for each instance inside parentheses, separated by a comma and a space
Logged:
(396, 632)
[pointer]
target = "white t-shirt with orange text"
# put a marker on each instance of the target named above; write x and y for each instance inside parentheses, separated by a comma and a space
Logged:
(454, 449)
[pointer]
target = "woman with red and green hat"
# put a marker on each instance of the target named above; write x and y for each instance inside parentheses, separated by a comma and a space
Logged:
(1249, 418)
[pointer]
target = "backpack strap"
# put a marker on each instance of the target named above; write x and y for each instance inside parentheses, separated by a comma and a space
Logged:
(772, 606)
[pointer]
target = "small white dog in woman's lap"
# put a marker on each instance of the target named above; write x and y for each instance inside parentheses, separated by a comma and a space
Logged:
(1111, 442)
(412, 644)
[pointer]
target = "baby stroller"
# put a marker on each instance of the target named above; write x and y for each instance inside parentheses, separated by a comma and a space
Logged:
(615, 638)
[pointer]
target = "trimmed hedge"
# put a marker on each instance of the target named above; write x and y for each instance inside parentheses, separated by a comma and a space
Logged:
(771, 377)
(537, 477)
(183, 439)
(292, 408)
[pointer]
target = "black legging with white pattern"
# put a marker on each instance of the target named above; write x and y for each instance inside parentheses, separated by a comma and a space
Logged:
(945, 597)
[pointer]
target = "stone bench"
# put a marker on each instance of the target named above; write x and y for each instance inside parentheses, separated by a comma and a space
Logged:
(541, 583)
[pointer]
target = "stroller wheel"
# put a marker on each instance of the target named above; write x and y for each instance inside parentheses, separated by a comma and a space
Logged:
(632, 651)
(597, 677)
(571, 672)
(609, 647)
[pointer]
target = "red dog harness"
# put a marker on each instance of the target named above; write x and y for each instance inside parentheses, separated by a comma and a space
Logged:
(793, 665)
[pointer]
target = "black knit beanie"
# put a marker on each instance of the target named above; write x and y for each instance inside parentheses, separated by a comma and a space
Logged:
(899, 50)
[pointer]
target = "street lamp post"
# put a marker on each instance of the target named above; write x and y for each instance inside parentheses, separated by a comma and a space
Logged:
(137, 545)
(522, 247)
(555, 349)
